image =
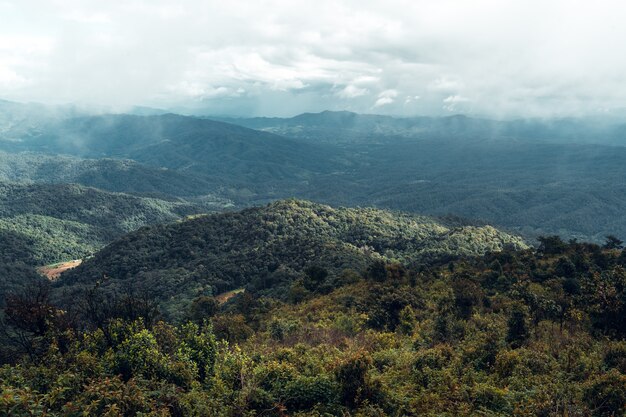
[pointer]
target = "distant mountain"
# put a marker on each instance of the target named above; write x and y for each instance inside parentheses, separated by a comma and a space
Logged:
(576, 191)
(248, 161)
(267, 248)
(534, 176)
(347, 127)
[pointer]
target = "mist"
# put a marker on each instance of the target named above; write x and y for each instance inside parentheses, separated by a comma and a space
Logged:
(277, 58)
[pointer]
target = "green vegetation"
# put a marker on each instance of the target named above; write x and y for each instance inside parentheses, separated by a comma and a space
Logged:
(524, 333)
(45, 223)
(297, 308)
(266, 249)
(117, 175)
(536, 177)
(223, 157)
(70, 221)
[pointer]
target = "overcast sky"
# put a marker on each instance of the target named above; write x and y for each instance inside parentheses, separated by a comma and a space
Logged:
(498, 58)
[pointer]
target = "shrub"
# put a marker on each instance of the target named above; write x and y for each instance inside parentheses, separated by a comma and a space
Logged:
(606, 394)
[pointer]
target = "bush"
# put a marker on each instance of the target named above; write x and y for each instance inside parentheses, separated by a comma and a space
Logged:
(305, 392)
(606, 394)
(351, 376)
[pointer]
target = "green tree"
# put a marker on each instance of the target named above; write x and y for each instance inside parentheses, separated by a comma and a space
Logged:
(377, 271)
(203, 308)
(517, 327)
(613, 242)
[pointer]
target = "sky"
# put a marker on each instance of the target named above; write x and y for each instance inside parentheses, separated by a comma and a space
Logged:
(496, 58)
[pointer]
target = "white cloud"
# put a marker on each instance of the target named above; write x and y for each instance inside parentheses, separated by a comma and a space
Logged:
(352, 91)
(454, 103)
(386, 97)
(383, 101)
(455, 99)
(511, 58)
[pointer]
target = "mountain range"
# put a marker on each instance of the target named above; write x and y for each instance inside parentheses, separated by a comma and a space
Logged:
(195, 287)
(533, 176)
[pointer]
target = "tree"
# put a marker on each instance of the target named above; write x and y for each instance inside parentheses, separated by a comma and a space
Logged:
(202, 308)
(565, 268)
(377, 271)
(518, 330)
(467, 294)
(606, 395)
(551, 245)
(407, 320)
(314, 277)
(613, 243)
(31, 323)
(351, 376)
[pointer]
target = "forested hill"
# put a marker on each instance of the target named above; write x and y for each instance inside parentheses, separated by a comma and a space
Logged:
(267, 248)
(534, 177)
(513, 333)
(219, 153)
(64, 221)
(117, 175)
(42, 224)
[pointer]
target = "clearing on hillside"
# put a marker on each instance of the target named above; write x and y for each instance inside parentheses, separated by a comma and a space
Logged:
(225, 296)
(52, 272)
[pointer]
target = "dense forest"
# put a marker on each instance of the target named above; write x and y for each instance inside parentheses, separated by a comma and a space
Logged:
(268, 248)
(203, 291)
(117, 175)
(535, 332)
(65, 220)
(46, 223)
(537, 177)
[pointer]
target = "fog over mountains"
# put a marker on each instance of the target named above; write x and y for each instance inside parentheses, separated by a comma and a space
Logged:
(552, 176)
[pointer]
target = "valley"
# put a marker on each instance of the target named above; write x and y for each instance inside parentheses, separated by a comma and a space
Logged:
(312, 209)
(364, 265)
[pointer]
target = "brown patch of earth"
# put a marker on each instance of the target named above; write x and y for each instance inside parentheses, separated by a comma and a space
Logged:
(53, 271)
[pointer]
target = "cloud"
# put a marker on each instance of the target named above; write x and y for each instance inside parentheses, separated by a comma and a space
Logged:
(452, 103)
(386, 97)
(352, 91)
(383, 101)
(276, 57)
(455, 99)
(87, 18)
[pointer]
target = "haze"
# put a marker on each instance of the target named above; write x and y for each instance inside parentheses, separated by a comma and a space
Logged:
(489, 58)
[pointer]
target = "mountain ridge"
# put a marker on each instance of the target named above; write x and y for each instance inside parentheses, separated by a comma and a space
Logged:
(266, 249)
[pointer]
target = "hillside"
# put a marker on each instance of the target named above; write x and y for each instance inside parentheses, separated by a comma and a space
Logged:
(64, 222)
(575, 191)
(17, 263)
(529, 333)
(47, 223)
(536, 177)
(239, 159)
(117, 175)
(266, 249)
(559, 176)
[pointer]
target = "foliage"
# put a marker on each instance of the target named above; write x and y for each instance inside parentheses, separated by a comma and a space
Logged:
(289, 248)
(411, 344)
